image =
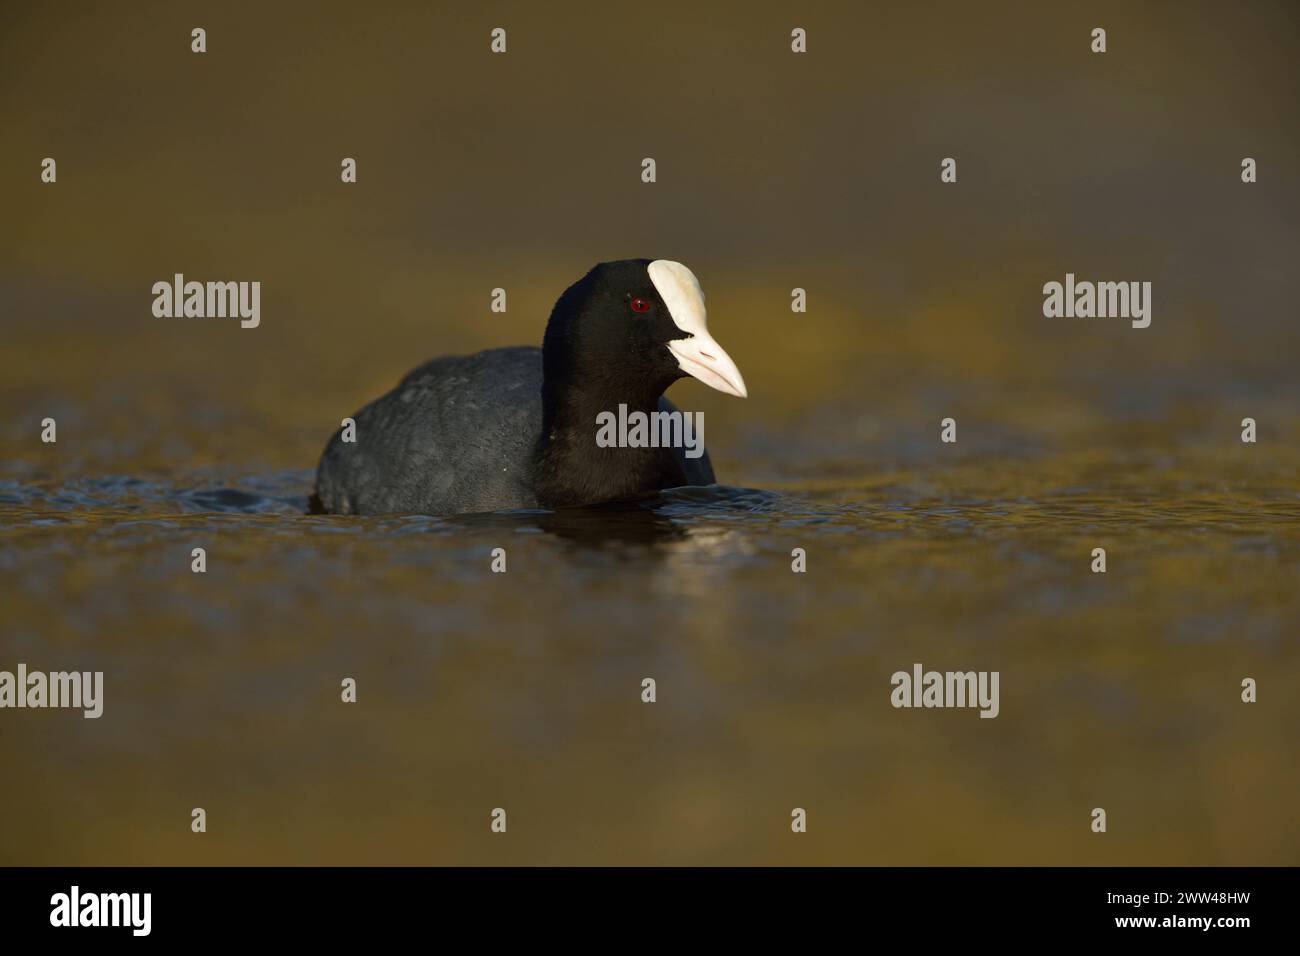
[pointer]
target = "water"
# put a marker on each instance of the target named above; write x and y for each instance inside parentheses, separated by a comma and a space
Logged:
(522, 690)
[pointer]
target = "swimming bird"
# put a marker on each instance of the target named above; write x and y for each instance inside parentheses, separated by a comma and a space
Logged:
(517, 427)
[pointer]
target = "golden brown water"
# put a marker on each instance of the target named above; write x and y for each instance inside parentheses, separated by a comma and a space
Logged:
(523, 690)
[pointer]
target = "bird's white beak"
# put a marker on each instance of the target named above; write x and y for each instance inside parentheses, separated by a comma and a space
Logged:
(698, 353)
(702, 357)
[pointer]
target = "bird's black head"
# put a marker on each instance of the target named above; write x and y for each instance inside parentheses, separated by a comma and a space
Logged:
(628, 329)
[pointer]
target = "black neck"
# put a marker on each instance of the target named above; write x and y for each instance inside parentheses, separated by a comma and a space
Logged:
(573, 469)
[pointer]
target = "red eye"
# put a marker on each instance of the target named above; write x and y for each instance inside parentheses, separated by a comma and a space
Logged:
(640, 305)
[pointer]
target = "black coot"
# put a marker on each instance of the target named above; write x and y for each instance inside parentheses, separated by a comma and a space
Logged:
(517, 427)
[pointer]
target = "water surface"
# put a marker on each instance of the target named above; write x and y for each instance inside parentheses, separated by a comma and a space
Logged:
(522, 690)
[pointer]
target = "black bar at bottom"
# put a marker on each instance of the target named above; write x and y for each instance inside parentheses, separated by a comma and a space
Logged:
(237, 904)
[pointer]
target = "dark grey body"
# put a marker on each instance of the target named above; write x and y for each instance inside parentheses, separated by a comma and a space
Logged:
(458, 435)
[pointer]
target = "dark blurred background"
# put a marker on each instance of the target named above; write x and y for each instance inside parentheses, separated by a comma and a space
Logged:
(776, 170)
